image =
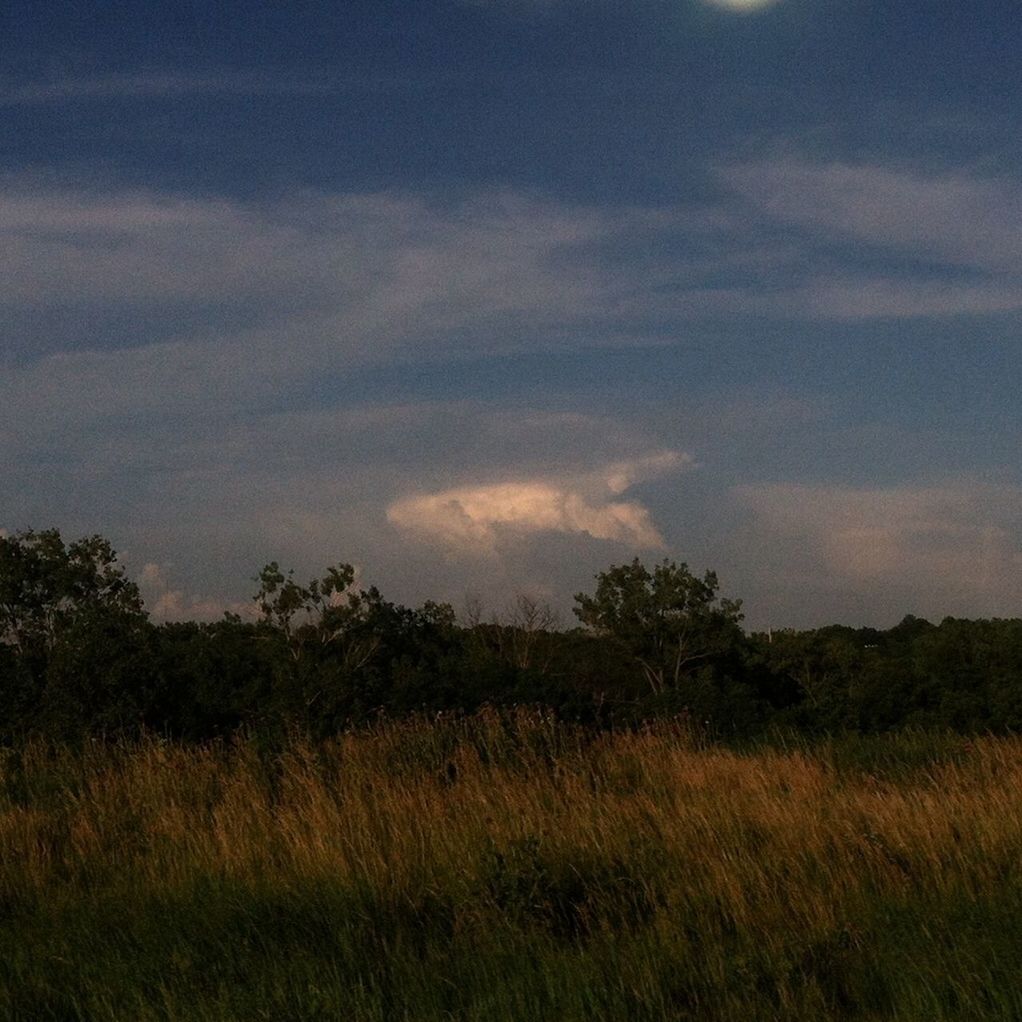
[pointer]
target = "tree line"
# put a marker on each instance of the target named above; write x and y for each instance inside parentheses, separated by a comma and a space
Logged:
(80, 657)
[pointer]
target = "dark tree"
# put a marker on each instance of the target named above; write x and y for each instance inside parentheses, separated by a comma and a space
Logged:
(76, 636)
(671, 621)
(47, 587)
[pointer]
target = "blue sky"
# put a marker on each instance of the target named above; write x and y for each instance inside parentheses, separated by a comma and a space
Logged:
(487, 295)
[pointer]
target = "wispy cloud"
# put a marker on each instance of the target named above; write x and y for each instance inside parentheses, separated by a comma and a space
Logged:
(951, 545)
(946, 242)
(898, 297)
(205, 297)
(169, 303)
(157, 84)
(477, 519)
(352, 261)
(959, 218)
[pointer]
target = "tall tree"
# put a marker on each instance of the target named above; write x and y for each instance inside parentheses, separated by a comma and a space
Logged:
(328, 611)
(75, 634)
(668, 619)
(48, 586)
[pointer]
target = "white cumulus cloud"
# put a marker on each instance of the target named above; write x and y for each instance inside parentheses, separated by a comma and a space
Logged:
(476, 518)
(165, 603)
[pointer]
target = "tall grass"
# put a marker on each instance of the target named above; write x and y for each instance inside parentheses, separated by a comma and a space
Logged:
(507, 868)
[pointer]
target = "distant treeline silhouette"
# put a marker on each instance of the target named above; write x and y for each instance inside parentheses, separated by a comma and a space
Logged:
(80, 657)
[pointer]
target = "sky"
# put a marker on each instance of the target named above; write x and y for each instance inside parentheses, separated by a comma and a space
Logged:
(486, 296)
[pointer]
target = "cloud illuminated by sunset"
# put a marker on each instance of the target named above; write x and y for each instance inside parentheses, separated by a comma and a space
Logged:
(475, 518)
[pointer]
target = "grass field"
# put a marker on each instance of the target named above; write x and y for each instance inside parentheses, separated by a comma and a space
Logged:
(511, 869)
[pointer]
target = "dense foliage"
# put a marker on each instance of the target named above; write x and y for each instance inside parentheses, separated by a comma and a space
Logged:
(79, 656)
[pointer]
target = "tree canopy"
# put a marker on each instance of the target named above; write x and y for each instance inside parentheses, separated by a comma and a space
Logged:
(47, 586)
(79, 656)
(670, 620)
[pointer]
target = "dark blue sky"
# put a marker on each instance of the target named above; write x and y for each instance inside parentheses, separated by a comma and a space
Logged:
(588, 101)
(486, 295)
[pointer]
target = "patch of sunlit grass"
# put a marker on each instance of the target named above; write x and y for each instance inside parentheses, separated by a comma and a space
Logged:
(506, 867)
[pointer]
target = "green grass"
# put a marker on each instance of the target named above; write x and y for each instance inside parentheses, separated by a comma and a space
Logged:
(512, 869)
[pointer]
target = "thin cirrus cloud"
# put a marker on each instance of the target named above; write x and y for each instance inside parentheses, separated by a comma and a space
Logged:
(364, 259)
(480, 519)
(334, 274)
(156, 84)
(849, 298)
(324, 279)
(955, 217)
(949, 238)
(295, 290)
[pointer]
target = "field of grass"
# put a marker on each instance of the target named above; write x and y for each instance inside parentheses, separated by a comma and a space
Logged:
(500, 869)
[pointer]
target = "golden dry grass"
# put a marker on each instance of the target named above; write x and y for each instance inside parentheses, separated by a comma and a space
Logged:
(513, 868)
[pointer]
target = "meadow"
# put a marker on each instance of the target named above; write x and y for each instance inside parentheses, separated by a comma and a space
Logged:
(505, 867)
